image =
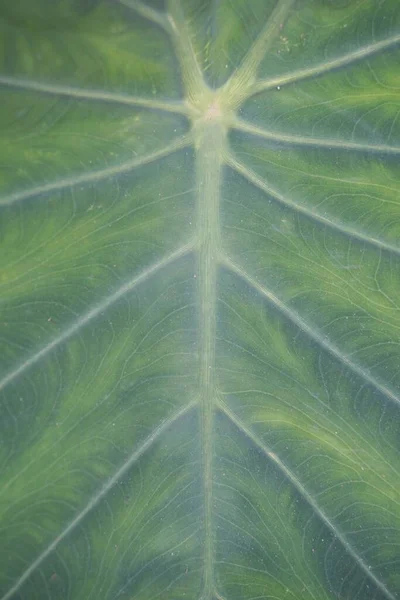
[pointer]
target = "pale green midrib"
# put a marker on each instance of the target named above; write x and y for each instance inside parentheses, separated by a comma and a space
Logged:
(209, 160)
(99, 495)
(209, 138)
(253, 178)
(291, 477)
(97, 95)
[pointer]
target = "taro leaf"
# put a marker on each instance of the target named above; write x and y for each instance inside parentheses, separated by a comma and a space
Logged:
(200, 300)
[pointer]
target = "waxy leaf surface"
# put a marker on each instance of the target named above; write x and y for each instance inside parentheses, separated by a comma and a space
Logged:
(200, 299)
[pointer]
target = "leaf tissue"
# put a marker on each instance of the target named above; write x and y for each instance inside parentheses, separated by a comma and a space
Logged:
(200, 300)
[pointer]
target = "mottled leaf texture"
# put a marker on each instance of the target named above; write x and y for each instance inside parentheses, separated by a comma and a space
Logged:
(200, 299)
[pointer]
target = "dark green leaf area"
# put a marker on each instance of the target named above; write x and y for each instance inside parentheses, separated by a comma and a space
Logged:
(107, 47)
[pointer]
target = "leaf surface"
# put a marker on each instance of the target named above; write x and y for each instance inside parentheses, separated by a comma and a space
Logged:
(200, 283)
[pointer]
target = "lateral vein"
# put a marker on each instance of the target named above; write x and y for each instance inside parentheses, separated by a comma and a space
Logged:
(253, 178)
(95, 176)
(291, 477)
(325, 67)
(298, 140)
(94, 501)
(309, 331)
(93, 313)
(243, 79)
(191, 74)
(91, 94)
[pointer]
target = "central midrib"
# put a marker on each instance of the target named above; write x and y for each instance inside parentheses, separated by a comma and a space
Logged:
(210, 144)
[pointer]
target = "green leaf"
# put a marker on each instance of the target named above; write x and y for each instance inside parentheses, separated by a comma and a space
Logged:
(199, 296)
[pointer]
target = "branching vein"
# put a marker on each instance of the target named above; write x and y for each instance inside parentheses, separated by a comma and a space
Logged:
(243, 79)
(326, 66)
(296, 483)
(191, 74)
(98, 496)
(348, 231)
(144, 10)
(93, 313)
(321, 340)
(298, 140)
(75, 93)
(95, 176)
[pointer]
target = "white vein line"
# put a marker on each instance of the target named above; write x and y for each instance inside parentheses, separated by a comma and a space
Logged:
(327, 66)
(243, 78)
(88, 94)
(298, 140)
(251, 176)
(191, 74)
(322, 341)
(95, 176)
(99, 495)
(146, 11)
(307, 497)
(94, 312)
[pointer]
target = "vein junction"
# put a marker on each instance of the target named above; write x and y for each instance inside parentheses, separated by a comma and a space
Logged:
(210, 115)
